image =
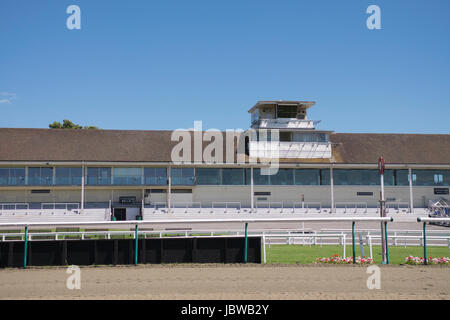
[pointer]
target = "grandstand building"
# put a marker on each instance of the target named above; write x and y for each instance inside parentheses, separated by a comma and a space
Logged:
(53, 174)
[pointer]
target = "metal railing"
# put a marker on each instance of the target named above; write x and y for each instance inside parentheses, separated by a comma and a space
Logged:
(226, 206)
(306, 206)
(269, 206)
(397, 206)
(351, 206)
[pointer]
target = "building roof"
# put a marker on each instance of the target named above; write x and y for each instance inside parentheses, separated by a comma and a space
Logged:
(272, 103)
(156, 146)
(395, 148)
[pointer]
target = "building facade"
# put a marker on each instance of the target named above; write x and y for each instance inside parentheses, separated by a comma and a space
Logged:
(116, 174)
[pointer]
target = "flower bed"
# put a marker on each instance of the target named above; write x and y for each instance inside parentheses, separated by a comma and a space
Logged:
(417, 261)
(336, 259)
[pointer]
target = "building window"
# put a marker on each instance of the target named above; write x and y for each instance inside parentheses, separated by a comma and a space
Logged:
(307, 177)
(40, 176)
(285, 136)
(356, 177)
(182, 176)
(68, 176)
(98, 176)
(206, 176)
(258, 178)
(282, 177)
(401, 177)
(233, 176)
(287, 112)
(12, 176)
(128, 176)
(431, 177)
(155, 176)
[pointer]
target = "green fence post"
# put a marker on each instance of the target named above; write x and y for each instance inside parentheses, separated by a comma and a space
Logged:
(387, 242)
(25, 249)
(425, 242)
(246, 243)
(136, 244)
(353, 241)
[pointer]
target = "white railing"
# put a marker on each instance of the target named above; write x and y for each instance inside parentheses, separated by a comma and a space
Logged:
(270, 206)
(60, 206)
(354, 206)
(306, 206)
(13, 207)
(226, 206)
(397, 205)
(185, 207)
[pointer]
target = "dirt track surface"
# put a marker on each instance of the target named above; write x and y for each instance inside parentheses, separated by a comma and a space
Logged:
(227, 282)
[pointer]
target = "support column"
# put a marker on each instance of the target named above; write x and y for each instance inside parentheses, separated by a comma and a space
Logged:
(169, 190)
(246, 243)
(25, 250)
(332, 189)
(353, 242)
(82, 187)
(383, 233)
(252, 193)
(411, 199)
(142, 204)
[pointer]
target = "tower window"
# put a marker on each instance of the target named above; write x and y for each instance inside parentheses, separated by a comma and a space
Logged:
(287, 112)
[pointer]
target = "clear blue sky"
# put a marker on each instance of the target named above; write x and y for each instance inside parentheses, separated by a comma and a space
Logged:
(147, 64)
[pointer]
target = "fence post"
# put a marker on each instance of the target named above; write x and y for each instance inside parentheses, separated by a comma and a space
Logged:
(245, 245)
(425, 242)
(136, 244)
(353, 241)
(264, 247)
(25, 249)
(387, 243)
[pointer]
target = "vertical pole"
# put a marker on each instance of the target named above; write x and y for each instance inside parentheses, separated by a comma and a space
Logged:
(411, 199)
(387, 243)
(264, 248)
(246, 243)
(25, 250)
(332, 189)
(136, 231)
(252, 197)
(82, 187)
(425, 242)
(169, 175)
(382, 214)
(344, 243)
(353, 241)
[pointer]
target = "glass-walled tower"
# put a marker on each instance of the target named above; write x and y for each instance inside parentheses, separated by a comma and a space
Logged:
(297, 135)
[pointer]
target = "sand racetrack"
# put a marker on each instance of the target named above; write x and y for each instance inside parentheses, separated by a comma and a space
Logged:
(227, 282)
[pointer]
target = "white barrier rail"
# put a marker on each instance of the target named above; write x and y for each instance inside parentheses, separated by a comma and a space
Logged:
(397, 206)
(351, 205)
(269, 206)
(307, 206)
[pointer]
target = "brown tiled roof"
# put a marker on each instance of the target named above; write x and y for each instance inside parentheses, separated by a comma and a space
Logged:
(156, 146)
(395, 148)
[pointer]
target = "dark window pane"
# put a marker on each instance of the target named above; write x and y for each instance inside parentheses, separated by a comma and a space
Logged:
(282, 177)
(259, 179)
(287, 111)
(232, 176)
(307, 177)
(182, 176)
(356, 177)
(206, 176)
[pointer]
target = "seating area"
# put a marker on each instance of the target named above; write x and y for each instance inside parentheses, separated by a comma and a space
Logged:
(53, 212)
